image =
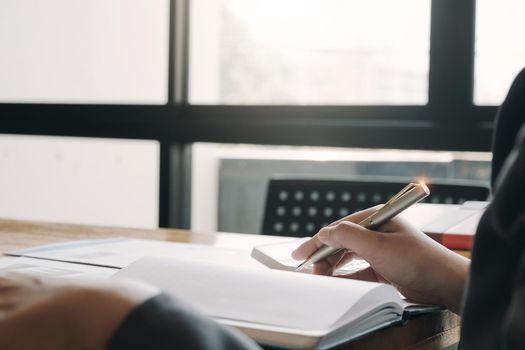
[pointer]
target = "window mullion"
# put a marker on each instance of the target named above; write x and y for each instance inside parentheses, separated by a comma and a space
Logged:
(452, 58)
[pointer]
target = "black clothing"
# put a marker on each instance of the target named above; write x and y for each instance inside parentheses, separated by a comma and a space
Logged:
(163, 323)
(494, 307)
(510, 118)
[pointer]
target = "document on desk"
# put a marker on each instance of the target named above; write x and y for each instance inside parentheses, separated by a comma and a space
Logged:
(120, 252)
(278, 256)
(55, 269)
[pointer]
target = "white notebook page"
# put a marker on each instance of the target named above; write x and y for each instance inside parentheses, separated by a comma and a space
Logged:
(278, 298)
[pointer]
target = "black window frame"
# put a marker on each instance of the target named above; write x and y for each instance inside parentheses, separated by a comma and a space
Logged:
(449, 121)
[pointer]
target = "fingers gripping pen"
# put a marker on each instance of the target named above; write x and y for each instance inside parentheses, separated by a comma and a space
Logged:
(412, 193)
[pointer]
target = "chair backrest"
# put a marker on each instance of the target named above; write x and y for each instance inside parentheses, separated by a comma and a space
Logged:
(300, 207)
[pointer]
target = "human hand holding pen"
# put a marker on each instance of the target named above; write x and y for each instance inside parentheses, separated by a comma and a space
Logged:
(398, 253)
(409, 195)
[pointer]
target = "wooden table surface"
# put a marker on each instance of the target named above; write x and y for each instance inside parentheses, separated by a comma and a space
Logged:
(431, 331)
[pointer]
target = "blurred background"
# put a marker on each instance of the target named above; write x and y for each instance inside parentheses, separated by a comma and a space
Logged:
(177, 113)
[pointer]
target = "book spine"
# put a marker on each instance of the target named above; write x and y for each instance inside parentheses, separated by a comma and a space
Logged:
(456, 242)
(462, 242)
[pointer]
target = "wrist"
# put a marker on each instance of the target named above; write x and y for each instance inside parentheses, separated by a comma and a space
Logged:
(455, 276)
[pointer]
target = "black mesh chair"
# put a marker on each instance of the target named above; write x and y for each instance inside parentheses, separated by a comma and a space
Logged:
(299, 208)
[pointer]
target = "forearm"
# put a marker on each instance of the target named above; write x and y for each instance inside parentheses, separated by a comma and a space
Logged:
(98, 311)
(60, 316)
(442, 276)
(455, 275)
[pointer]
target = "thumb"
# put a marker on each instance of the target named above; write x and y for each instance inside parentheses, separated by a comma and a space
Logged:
(351, 236)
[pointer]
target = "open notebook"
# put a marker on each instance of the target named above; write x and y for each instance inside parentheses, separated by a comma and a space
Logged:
(274, 307)
(282, 308)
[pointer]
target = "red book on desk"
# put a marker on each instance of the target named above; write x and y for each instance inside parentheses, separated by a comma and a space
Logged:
(454, 226)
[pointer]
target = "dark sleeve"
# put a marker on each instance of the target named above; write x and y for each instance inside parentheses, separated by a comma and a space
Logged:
(509, 119)
(509, 215)
(163, 322)
(494, 308)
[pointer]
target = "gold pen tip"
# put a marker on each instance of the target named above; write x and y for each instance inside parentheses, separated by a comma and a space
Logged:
(424, 187)
(422, 182)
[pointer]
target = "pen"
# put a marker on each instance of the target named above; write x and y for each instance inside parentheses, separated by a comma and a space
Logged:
(410, 194)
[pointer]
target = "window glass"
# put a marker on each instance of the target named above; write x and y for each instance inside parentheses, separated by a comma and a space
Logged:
(84, 51)
(500, 48)
(309, 52)
(80, 180)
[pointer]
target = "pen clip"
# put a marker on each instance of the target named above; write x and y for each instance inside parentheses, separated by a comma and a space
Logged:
(401, 193)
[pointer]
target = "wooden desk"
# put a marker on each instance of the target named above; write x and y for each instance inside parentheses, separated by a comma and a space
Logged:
(433, 331)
